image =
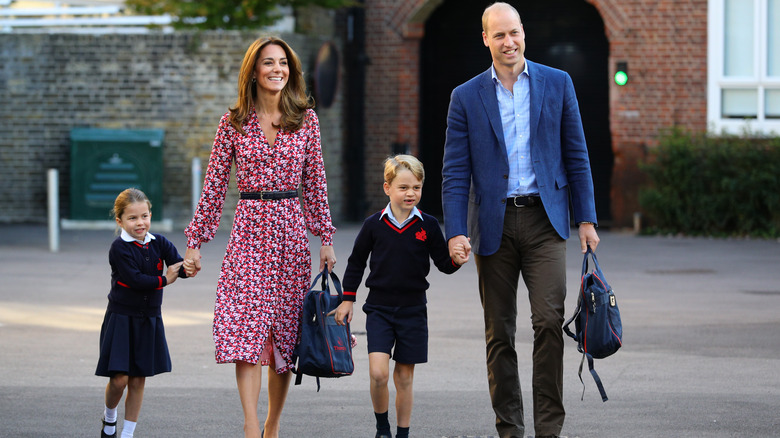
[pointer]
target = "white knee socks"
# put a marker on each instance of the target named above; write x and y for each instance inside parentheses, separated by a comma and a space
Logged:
(128, 427)
(110, 417)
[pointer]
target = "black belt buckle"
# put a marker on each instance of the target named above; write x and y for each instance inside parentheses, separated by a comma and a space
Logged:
(269, 196)
(525, 201)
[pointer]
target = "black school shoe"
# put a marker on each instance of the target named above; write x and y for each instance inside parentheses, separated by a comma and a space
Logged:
(103, 434)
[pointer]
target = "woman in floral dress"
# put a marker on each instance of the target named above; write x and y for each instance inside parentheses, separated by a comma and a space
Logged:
(273, 136)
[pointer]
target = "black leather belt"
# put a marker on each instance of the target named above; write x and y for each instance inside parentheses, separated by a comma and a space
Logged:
(524, 201)
(269, 196)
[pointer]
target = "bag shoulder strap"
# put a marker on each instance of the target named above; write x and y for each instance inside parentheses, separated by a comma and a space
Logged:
(566, 328)
(299, 379)
(595, 377)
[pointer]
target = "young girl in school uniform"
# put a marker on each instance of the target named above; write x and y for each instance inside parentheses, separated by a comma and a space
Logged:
(132, 338)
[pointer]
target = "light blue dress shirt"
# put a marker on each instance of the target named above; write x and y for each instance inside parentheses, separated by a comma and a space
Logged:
(515, 109)
(389, 213)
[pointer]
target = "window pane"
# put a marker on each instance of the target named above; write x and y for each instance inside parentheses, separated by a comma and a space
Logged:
(773, 104)
(738, 56)
(773, 37)
(739, 104)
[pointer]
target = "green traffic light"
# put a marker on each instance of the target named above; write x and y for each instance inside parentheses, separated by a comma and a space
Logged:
(621, 77)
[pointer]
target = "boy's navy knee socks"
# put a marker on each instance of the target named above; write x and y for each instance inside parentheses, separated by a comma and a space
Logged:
(382, 424)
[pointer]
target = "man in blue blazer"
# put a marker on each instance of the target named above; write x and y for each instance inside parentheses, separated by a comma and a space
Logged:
(515, 162)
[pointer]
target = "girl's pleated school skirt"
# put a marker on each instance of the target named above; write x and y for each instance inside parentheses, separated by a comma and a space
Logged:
(132, 345)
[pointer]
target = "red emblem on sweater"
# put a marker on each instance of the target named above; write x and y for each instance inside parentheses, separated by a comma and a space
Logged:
(159, 264)
(420, 235)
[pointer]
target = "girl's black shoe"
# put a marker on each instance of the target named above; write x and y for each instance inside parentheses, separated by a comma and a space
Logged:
(103, 434)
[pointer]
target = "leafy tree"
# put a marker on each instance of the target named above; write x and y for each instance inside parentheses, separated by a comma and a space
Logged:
(225, 14)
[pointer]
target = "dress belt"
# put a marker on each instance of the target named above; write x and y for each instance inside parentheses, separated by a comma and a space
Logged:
(524, 201)
(270, 195)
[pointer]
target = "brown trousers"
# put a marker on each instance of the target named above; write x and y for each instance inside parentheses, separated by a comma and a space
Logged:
(529, 246)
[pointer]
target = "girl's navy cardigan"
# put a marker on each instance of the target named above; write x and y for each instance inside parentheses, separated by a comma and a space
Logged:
(137, 275)
(400, 260)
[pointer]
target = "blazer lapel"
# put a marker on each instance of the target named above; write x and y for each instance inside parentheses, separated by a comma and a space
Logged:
(537, 97)
(487, 93)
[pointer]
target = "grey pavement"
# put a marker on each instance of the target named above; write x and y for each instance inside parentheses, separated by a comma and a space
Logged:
(701, 357)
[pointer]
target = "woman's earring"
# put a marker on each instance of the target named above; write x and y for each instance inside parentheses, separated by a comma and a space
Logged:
(254, 80)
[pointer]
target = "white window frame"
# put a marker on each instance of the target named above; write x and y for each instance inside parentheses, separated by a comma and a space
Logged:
(717, 81)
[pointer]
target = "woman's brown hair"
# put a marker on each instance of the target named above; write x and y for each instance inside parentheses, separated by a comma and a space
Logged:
(294, 101)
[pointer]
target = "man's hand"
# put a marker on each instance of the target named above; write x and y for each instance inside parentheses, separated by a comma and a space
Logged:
(588, 236)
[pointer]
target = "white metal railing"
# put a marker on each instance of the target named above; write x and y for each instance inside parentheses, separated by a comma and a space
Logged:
(74, 10)
(123, 20)
(78, 17)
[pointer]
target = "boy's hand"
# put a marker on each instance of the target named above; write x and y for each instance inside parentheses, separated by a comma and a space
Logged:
(173, 272)
(459, 254)
(343, 313)
(460, 248)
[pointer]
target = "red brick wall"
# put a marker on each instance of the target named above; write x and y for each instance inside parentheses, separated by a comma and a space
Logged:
(664, 43)
(392, 87)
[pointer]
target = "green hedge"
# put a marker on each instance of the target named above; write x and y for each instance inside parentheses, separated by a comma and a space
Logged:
(713, 185)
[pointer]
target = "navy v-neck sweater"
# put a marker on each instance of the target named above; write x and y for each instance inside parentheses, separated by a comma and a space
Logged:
(138, 275)
(399, 260)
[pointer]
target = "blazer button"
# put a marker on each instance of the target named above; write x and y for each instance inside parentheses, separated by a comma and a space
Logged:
(506, 176)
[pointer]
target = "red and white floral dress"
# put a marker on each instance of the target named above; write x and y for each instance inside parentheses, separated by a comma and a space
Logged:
(267, 266)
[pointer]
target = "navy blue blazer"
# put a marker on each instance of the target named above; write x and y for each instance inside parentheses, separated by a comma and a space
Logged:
(475, 166)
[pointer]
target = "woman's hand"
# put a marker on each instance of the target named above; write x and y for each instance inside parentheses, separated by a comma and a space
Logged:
(192, 262)
(327, 257)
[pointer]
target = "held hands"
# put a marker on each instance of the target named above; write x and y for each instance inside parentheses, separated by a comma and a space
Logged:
(460, 248)
(173, 272)
(459, 254)
(192, 262)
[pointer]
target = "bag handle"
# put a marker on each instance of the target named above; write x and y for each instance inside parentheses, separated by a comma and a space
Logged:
(334, 279)
(325, 285)
(596, 267)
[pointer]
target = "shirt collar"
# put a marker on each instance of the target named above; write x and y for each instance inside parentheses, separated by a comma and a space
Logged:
(389, 212)
(128, 238)
(495, 76)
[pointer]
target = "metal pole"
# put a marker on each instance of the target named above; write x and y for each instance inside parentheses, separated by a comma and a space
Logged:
(196, 179)
(54, 210)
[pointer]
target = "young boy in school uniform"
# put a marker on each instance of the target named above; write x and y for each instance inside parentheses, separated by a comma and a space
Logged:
(401, 240)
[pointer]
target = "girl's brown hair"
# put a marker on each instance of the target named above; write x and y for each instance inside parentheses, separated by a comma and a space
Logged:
(294, 101)
(127, 197)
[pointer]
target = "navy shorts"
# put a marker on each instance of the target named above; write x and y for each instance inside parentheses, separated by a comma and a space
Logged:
(401, 332)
